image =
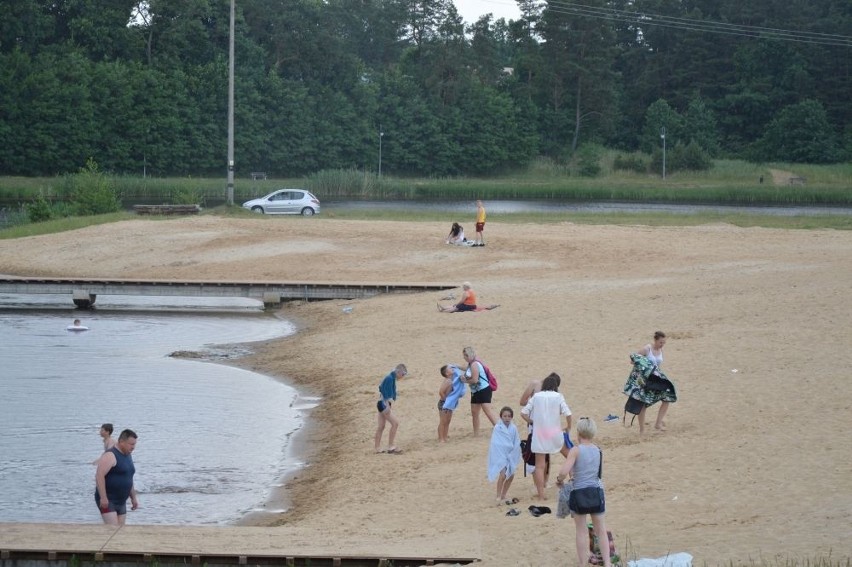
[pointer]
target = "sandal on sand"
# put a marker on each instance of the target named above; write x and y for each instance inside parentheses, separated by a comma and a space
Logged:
(394, 451)
(513, 512)
(512, 501)
(539, 510)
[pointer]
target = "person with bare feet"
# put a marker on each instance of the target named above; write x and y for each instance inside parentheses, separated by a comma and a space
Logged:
(585, 465)
(504, 454)
(467, 303)
(114, 480)
(387, 393)
(533, 387)
(449, 394)
(544, 411)
(480, 391)
(657, 388)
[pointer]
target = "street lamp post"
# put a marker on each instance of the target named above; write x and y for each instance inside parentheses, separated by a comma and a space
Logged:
(231, 110)
(381, 135)
(663, 136)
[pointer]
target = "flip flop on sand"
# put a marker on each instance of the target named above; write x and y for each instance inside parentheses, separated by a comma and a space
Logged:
(513, 512)
(394, 451)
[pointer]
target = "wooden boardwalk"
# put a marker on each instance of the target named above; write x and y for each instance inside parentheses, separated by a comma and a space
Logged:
(167, 209)
(22, 545)
(84, 291)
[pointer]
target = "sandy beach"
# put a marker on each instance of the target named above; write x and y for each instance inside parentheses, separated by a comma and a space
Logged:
(756, 463)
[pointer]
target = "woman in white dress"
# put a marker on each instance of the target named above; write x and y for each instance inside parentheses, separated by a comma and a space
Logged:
(544, 412)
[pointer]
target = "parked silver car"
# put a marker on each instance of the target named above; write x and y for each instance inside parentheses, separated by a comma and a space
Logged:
(285, 202)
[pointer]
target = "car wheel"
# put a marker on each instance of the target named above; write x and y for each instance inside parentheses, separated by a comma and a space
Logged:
(307, 212)
(257, 209)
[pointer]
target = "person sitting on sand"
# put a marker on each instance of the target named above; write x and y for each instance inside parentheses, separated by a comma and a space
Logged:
(456, 235)
(467, 303)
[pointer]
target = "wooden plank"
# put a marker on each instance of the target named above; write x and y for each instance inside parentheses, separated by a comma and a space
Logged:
(167, 209)
(233, 545)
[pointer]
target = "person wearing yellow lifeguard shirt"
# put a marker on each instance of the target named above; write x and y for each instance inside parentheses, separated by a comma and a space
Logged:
(480, 224)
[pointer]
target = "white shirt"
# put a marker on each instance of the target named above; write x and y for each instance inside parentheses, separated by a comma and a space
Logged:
(546, 409)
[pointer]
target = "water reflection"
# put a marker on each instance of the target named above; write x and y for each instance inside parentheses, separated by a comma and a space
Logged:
(515, 207)
(213, 440)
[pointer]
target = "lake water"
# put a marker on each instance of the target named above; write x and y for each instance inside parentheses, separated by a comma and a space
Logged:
(555, 207)
(213, 439)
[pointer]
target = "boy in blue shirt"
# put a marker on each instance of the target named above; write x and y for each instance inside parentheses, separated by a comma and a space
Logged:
(387, 392)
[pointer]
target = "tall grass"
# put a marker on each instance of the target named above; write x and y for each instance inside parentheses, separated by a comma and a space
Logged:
(733, 182)
(354, 184)
(201, 190)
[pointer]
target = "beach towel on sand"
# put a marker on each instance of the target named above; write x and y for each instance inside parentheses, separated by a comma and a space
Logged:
(672, 560)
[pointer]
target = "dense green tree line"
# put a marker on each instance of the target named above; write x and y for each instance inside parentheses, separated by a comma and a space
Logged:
(142, 86)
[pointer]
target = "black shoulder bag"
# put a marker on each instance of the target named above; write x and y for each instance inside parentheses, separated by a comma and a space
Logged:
(589, 500)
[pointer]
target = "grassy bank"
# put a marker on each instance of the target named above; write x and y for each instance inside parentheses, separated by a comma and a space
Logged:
(728, 182)
(61, 225)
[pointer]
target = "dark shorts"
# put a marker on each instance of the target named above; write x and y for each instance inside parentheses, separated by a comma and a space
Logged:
(380, 405)
(480, 226)
(119, 508)
(482, 396)
(599, 510)
(463, 307)
(441, 405)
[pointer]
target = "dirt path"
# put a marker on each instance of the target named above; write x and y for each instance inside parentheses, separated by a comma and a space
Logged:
(781, 177)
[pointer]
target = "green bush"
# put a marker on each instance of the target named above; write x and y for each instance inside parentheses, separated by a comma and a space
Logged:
(187, 196)
(39, 210)
(630, 162)
(92, 192)
(588, 160)
(691, 157)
